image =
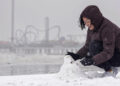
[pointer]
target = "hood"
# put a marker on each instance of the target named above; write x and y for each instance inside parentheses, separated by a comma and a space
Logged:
(93, 13)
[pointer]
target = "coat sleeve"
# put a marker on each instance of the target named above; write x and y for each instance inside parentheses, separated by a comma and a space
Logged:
(108, 38)
(84, 50)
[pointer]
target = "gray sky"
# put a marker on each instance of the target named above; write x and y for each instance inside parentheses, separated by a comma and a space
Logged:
(60, 12)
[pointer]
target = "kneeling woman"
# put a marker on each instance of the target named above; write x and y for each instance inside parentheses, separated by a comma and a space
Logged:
(102, 43)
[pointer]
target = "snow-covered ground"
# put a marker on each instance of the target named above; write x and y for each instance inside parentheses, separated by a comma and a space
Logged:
(52, 80)
(69, 75)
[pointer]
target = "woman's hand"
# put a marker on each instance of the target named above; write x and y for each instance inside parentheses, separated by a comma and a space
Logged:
(73, 55)
(87, 62)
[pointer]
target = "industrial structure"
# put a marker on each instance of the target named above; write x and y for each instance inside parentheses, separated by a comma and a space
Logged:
(26, 42)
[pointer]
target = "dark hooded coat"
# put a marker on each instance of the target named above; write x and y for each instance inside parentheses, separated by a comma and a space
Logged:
(105, 31)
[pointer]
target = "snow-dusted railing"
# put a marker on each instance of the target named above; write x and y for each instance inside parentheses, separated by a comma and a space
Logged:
(47, 51)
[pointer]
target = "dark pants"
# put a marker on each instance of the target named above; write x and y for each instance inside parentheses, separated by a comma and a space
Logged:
(96, 47)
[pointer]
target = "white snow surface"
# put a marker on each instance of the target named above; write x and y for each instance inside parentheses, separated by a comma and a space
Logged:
(69, 75)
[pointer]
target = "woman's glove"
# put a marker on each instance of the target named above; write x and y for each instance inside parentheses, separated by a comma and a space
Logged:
(73, 55)
(87, 62)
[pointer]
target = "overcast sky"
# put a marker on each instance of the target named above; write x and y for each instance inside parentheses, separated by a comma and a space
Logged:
(60, 12)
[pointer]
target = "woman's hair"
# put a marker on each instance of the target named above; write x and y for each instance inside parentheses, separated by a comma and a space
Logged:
(82, 24)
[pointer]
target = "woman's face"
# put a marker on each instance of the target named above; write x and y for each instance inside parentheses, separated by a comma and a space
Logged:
(87, 22)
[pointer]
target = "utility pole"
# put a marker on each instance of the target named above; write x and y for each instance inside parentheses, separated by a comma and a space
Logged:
(12, 21)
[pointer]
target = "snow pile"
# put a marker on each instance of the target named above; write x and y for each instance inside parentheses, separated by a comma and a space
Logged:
(74, 69)
(71, 69)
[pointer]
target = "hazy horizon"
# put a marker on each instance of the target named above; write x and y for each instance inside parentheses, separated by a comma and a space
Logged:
(60, 12)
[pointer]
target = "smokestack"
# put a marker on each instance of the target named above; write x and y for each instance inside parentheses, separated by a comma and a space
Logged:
(46, 29)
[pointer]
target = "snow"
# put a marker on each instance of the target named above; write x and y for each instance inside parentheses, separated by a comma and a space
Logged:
(70, 74)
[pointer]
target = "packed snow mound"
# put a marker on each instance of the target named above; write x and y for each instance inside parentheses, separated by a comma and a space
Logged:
(74, 69)
(70, 69)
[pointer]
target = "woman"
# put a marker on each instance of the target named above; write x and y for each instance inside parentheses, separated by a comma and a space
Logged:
(102, 43)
